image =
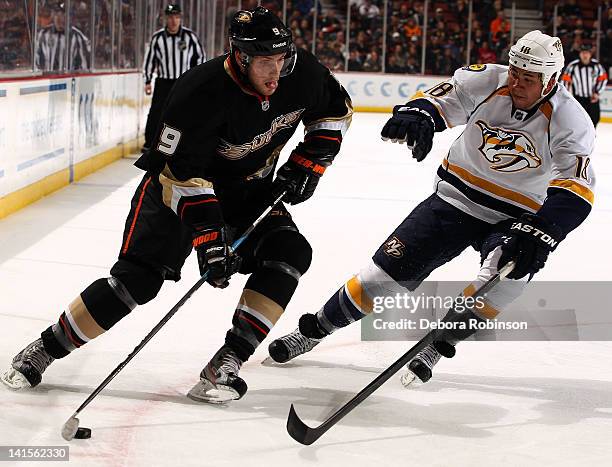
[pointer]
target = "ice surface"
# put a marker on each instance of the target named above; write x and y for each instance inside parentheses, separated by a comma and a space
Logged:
(503, 404)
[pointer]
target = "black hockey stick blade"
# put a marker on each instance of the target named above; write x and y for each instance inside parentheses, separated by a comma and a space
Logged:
(304, 434)
(301, 432)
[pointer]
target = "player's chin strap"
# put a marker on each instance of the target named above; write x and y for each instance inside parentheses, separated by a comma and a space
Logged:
(304, 434)
(70, 428)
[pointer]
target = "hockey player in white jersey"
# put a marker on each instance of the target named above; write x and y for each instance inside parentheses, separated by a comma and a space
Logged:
(514, 184)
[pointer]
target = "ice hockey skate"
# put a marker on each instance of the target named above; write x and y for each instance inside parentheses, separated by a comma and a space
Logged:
(305, 338)
(27, 367)
(219, 380)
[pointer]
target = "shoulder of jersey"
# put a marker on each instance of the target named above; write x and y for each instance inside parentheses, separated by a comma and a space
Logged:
(307, 62)
(208, 76)
(481, 78)
(567, 112)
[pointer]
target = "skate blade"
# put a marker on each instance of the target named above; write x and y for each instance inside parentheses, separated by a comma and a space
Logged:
(411, 381)
(205, 391)
(15, 380)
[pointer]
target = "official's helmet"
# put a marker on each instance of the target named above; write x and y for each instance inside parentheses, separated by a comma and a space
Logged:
(173, 9)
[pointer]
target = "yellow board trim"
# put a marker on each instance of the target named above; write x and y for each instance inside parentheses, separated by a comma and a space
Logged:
(373, 109)
(13, 202)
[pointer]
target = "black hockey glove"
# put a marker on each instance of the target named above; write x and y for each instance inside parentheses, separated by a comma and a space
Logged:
(299, 176)
(528, 242)
(413, 126)
(215, 255)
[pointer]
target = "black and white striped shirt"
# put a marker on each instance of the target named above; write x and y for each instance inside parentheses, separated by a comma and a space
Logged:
(51, 50)
(170, 55)
(585, 80)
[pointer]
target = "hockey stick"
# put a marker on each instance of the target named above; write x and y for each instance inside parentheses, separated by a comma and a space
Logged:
(71, 427)
(304, 434)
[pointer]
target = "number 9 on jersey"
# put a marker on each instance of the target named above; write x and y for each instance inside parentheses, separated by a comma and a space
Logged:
(168, 140)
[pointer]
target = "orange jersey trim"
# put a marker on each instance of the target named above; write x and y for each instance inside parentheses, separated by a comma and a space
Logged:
(491, 187)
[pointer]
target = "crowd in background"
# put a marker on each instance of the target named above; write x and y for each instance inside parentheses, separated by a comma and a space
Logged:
(17, 30)
(446, 32)
(444, 29)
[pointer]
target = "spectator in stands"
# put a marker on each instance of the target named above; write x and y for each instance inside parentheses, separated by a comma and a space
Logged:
(485, 54)
(447, 63)
(368, 10)
(436, 18)
(573, 52)
(580, 30)
(305, 7)
(412, 65)
(569, 9)
(500, 25)
(460, 12)
(372, 62)
(478, 37)
(330, 25)
(393, 66)
(412, 29)
(355, 63)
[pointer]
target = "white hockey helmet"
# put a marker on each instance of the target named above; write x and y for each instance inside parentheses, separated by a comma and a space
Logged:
(539, 53)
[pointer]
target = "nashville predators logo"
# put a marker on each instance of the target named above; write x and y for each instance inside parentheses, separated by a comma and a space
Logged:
(238, 151)
(508, 151)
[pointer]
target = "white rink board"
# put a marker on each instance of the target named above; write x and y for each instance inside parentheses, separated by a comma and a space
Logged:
(48, 125)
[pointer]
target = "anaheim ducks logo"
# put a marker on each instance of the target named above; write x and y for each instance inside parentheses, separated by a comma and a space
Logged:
(508, 151)
(244, 16)
(238, 151)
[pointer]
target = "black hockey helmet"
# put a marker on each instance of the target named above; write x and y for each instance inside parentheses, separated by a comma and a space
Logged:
(261, 32)
(173, 9)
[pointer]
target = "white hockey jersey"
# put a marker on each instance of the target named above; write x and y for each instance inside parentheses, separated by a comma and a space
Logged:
(506, 159)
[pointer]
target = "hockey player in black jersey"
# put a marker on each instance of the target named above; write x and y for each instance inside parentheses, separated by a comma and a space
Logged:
(209, 175)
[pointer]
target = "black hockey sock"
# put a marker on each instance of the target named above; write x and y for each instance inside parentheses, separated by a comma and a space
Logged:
(99, 307)
(344, 307)
(263, 301)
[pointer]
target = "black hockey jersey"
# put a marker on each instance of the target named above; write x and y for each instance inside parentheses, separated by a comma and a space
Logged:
(220, 139)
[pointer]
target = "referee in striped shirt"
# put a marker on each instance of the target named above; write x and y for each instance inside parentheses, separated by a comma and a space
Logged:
(586, 79)
(173, 50)
(51, 45)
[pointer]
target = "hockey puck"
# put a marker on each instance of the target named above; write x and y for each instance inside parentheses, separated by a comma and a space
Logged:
(83, 433)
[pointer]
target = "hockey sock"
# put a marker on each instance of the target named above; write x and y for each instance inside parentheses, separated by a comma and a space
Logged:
(99, 307)
(349, 304)
(263, 301)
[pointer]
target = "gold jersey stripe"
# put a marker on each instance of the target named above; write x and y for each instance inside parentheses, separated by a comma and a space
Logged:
(576, 188)
(491, 187)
